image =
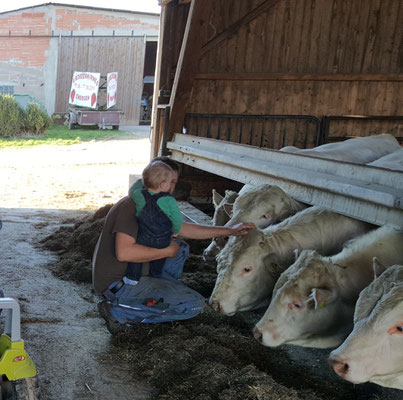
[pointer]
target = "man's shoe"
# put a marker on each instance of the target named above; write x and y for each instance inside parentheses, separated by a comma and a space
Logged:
(113, 326)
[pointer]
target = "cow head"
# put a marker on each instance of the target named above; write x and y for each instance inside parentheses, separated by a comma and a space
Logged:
(222, 214)
(263, 205)
(246, 274)
(305, 305)
(372, 351)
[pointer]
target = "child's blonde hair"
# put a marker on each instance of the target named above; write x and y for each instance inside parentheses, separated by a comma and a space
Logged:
(155, 174)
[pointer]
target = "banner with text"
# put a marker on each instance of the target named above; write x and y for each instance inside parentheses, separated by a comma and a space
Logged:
(111, 88)
(84, 89)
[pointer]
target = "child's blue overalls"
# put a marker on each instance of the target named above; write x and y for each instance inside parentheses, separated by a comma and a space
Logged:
(154, 230)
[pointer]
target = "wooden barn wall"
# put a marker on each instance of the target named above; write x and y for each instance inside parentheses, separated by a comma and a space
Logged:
(175, 23)
(307, 36)
(310, 57)
(124, 55)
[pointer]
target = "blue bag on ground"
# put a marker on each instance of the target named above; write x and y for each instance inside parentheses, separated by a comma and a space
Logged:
(156, 300)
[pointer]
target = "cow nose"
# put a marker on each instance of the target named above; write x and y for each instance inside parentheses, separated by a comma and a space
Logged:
(257, 334)
(339, 366)
(215, 305)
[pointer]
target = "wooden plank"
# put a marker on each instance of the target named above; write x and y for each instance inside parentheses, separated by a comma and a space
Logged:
(294, 32)
(360, 33)
(155, 133)
(188, 64)
(372, 34)
(314, 35)
(347, 37)
(390, 13)
(193, 214)
(303, 40)
(275, 62)
(266, 76)
(324, 47)
(394, 64)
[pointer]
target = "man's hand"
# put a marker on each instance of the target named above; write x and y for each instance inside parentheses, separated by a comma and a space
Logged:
(173, 249)
(240, 229)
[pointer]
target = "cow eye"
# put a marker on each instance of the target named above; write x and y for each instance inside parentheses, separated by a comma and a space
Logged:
(397, 329)
(297, 305)
(264, 216)
(247, 269)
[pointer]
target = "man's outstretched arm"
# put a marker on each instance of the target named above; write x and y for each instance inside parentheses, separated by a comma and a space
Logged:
(127, 250)
(195, 231)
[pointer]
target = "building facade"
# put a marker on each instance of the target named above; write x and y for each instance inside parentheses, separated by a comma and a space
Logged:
(41, 46)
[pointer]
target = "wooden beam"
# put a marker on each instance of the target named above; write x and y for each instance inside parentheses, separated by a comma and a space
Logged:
(256, 76)
(235, 27)
(188, 64)
(155, 133)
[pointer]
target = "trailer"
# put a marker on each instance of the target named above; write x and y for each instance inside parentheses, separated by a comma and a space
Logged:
(86, 117)
(92, 100)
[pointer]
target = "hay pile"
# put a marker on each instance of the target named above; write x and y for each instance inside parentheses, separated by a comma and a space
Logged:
(205, 358)
(74, 243)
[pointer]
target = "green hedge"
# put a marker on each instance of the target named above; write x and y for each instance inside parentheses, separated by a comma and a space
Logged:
(15, 121)
(35, 120)
(11, 116)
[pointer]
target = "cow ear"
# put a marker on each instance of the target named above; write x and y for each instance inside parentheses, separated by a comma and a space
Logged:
(228, 209)
(217, 198)
(320, 297)
(377, 267)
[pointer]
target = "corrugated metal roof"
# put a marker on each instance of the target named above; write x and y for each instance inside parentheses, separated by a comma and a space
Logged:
(79, 6)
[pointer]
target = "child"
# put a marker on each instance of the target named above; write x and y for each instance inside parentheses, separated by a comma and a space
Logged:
(158, 215)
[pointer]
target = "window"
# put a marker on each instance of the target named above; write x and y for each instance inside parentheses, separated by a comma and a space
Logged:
(6, 89)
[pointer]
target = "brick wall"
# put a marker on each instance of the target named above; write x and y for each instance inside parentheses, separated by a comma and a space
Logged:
(30, 63)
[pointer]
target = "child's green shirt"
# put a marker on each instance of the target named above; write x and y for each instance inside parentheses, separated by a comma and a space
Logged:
(167, 204)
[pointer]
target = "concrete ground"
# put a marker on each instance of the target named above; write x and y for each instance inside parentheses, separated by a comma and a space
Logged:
(41, 189)
(139, 130)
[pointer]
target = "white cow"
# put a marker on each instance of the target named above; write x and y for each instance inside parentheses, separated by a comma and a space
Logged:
(313, 301)
(248, 266)
(374, 349)
(222, 214)
(263, 205)
(392, 161)
(360, 150)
